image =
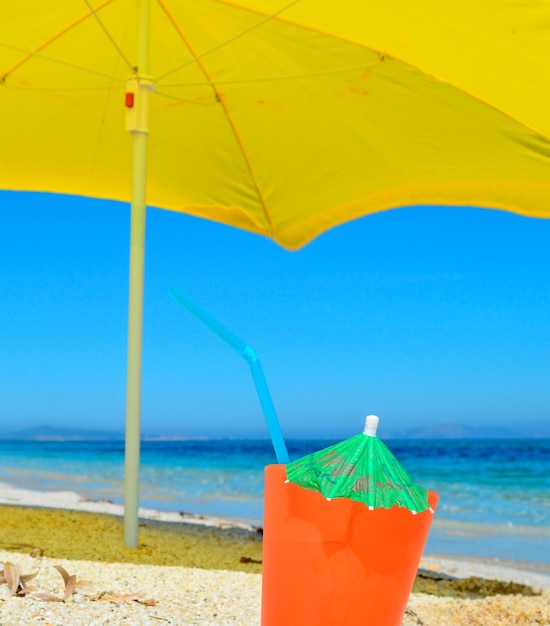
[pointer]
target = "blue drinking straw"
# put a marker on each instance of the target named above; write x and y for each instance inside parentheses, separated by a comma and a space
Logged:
(249, 355)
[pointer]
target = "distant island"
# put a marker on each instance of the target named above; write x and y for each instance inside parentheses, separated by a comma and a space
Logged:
(435, 431)
(54, 433)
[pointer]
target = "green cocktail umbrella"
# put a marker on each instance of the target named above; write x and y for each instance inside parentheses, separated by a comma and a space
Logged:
(362, 469)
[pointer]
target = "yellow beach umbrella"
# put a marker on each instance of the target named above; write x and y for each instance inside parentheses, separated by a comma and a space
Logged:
(282, 117)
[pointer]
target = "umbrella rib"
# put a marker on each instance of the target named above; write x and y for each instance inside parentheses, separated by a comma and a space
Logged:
(474, 96)
(385, 55)
(220, 100)
(109, 36)
(212, 102)
(266, 18)
(29, 54)
(279, 78)
(71, 89)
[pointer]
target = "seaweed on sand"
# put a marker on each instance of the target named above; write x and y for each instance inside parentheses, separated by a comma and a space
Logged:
(439, 584)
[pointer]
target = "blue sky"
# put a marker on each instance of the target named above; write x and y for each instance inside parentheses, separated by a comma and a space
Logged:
(422, 315)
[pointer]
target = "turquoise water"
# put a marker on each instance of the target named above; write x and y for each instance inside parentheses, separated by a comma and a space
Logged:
(494, 494)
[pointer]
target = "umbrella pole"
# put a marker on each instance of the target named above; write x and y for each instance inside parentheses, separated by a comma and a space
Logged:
(135, 334)
(136, 123)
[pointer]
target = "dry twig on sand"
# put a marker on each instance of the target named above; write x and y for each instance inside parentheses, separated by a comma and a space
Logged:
(17, 585)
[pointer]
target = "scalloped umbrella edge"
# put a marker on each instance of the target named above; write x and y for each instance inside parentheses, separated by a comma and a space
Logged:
(362, 469)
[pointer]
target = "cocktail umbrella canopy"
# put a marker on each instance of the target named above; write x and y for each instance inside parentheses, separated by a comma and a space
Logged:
(282, 117)
(362, 469)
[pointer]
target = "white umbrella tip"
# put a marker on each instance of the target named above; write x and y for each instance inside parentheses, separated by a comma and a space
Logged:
(371, 425)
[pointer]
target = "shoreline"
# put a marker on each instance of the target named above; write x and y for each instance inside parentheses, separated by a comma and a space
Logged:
(70, 500)
(460, 566)
(190, 569)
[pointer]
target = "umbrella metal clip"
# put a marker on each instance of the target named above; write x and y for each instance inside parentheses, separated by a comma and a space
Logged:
(137, 103)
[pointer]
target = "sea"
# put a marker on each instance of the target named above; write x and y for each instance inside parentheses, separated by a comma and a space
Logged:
(494, 494)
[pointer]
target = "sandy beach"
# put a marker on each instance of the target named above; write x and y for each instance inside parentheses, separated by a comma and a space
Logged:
(191, 570)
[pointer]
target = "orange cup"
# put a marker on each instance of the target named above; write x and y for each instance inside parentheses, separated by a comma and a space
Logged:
(335, 563)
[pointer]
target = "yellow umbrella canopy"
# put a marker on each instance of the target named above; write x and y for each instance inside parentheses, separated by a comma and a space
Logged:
(281, 117)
